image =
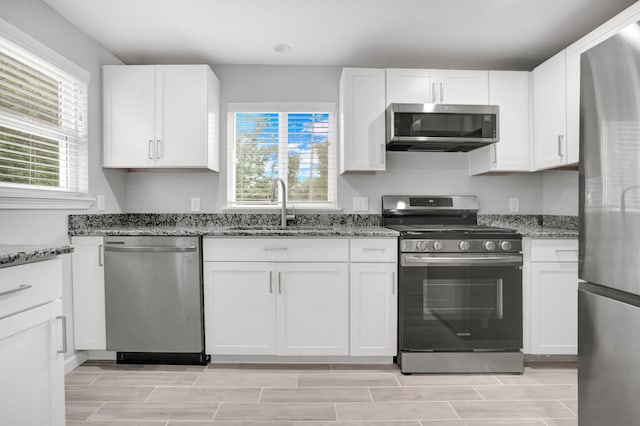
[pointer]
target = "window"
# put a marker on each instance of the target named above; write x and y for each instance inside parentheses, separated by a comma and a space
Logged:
(295, 142)
(43, 117)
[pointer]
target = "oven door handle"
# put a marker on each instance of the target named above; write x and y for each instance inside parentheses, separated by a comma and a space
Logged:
(431, 260)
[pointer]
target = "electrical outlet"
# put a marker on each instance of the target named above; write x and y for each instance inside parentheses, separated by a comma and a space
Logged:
(514, 204)
(195, 204)
(100, 203)
(360, 204)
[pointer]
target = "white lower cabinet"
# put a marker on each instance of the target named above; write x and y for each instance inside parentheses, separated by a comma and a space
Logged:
(313, 308)
(374, 309)
(87, 262)
(32, 346)
(268, 308)
(240, 308)
(300, 297)
(551, 297)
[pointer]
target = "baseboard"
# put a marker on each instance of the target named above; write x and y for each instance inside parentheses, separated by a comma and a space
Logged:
(279, 359)
(102, 355)
(550, 358)
(74, 360)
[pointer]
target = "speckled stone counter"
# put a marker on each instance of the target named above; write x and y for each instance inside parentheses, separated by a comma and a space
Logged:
(535, 226)
(11, 255)
(229, 225)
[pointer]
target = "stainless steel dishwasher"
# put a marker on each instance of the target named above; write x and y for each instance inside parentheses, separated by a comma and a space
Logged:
(153, 298)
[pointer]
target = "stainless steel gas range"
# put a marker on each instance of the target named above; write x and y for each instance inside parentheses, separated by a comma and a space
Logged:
(460, 287)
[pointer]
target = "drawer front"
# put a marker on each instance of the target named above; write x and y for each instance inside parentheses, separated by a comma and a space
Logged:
(374, 250)
(25, 286)
(275, 250)
(559, 250)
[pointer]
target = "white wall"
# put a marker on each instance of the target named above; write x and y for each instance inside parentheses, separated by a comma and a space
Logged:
(50, 227)
(418, 173)
(560, 192)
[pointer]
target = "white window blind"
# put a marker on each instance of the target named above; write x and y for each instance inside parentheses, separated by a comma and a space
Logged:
(43, 119)
(295, 142)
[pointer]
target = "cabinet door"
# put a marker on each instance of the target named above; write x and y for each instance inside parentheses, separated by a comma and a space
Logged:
(32, 368)
(239, 308)
(362, 120)
(129, 116)
(313, 308)
(463, 87)
(549, 113)
(374, 309)
(410, 86)
(554, 307)
(510, 91)
(87, 263)
(181, 116)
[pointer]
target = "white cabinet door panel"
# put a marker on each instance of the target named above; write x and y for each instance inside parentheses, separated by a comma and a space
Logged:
(554, 308)
(410, 86)
(550, 113)
(239, 308)
(87, 263)
(463, 87)
(362, 120)
(313, 308)
(129, 111)
(374, 305)
(31, 368)
(181, 116)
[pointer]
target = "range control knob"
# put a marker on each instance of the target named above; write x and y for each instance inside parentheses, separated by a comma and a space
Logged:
(464, 245)
(489, 245)
(421, 245)
(438, 245)
(505, 245)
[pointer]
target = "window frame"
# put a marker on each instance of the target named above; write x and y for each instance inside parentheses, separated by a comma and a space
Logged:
(282, 107)
(25, 197)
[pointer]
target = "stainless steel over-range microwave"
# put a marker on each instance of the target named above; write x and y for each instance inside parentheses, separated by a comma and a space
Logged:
(441, 127)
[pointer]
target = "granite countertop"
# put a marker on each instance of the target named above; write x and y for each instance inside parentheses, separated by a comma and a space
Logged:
(535, 226)
(245, 231)
(11, 255)
(229, 225)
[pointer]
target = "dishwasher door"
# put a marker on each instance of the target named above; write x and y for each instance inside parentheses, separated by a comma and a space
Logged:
(153, 294)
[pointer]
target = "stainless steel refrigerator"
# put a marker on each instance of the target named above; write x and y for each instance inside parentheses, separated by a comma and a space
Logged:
(609, 297)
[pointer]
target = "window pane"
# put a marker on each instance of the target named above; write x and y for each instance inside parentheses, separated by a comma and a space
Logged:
(256, 152)
(308, 159)
(28, 159)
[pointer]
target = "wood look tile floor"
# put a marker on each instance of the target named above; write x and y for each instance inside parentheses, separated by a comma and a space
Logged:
(107, 394)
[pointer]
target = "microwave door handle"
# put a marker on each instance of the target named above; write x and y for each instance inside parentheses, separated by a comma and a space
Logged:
(441, 93)
(500, 299)
(433, 92)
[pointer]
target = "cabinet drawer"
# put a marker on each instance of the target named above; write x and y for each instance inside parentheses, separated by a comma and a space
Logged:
(559, 250)
(374, 250)
(275, 250)
(34, 284)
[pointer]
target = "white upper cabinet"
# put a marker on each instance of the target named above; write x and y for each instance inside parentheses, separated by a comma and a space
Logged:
(410, 86)
(549, 113)
(162, 116)
(463, 87)
(362, 120)
(510, 91)
(437, 86)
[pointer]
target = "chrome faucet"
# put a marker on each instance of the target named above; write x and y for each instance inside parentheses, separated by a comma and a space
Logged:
(284, 215)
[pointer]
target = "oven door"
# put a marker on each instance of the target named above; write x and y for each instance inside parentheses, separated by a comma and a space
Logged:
(453, 302)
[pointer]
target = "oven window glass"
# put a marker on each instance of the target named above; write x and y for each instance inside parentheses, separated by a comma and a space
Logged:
(462, 299)
(460, 308)
(448, 125)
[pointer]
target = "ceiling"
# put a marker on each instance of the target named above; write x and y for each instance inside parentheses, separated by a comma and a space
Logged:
(463, 34)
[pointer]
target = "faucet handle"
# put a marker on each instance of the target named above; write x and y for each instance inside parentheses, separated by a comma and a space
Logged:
(293, 212)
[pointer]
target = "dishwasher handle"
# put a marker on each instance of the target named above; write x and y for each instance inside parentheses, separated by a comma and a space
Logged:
(151, 249)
